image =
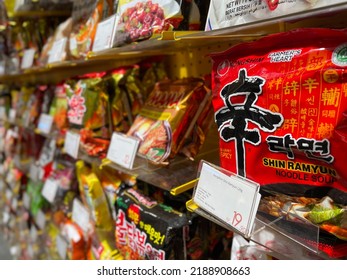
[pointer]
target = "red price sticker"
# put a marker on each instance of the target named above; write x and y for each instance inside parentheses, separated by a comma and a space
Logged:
(231, 199)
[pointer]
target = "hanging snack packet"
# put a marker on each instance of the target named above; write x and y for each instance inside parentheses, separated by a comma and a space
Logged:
(94, 196)
(168, 117)
(146, 229)
(140, 19)
(85, 18)
(59, 107)
(280, 108)
(88, 110)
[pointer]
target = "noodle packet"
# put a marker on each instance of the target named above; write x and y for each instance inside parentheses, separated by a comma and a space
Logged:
(280, 111)
(146, 229)
(168, 117)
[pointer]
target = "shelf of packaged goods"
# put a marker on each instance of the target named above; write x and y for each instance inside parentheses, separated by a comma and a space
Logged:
(274, 235)
(176, 177)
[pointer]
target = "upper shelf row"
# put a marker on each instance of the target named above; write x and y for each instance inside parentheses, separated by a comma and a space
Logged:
(170, 43)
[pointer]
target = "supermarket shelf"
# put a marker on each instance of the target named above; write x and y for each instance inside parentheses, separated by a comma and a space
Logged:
(40, 13)
(271, 235)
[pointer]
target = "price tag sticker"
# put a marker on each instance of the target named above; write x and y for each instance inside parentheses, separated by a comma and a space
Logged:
(72, 143)
(80, 215)
(49, 190)
(57, 51)
(229, 198)
(45, 123)
(104, 34)
(28, 58)
(123, 150)
(40, 219)
(62, 246)
(26, 201)
(12, 115)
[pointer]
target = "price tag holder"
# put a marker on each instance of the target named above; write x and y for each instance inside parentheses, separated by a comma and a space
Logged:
(228, 197)
(57, 51)
(12, 115)
(104, 34)
(40, 219)
(80, 215)
(33, 233)
(28, 58)
(34, 172)
(123, 150)
(14, 204)
(26, 201)
(72, 143)
(3, 115)
(62, 246)
(49, 190)
(45, 123)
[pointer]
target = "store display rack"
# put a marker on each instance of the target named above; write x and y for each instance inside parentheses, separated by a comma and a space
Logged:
(186, 54)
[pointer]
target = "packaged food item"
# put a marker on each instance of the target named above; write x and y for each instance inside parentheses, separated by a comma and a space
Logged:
(146, 229)
(62, 31)
(168, 117)
(59, 107)
(94, 196)
(85, 18)
(88, 111)
(228, 13)
(120, 106)
(78, 243)
(139, 19)
(280, 110)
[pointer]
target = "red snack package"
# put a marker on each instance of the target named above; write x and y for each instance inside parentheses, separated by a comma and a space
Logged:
(280, 106)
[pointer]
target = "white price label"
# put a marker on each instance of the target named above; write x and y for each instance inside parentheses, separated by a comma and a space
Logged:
(49, 190)
(6, 217)
(8, 195)
(14, 204)
(57, 51)
(231, 199)
(80, 215)
(26, 201)
(3, 115)
(40, 219)
(72, 143)
(28, 58)
(45, 123)
(34, 172)
(62, 246)
(33, 233)
(104, 34)
(12, 115)
(123, 150)
(30, 251)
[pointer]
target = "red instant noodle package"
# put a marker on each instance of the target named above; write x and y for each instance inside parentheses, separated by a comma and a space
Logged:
(168, 117)
(280, 106)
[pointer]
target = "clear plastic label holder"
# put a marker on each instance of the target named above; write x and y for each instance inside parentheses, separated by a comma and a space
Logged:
(229, 198)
